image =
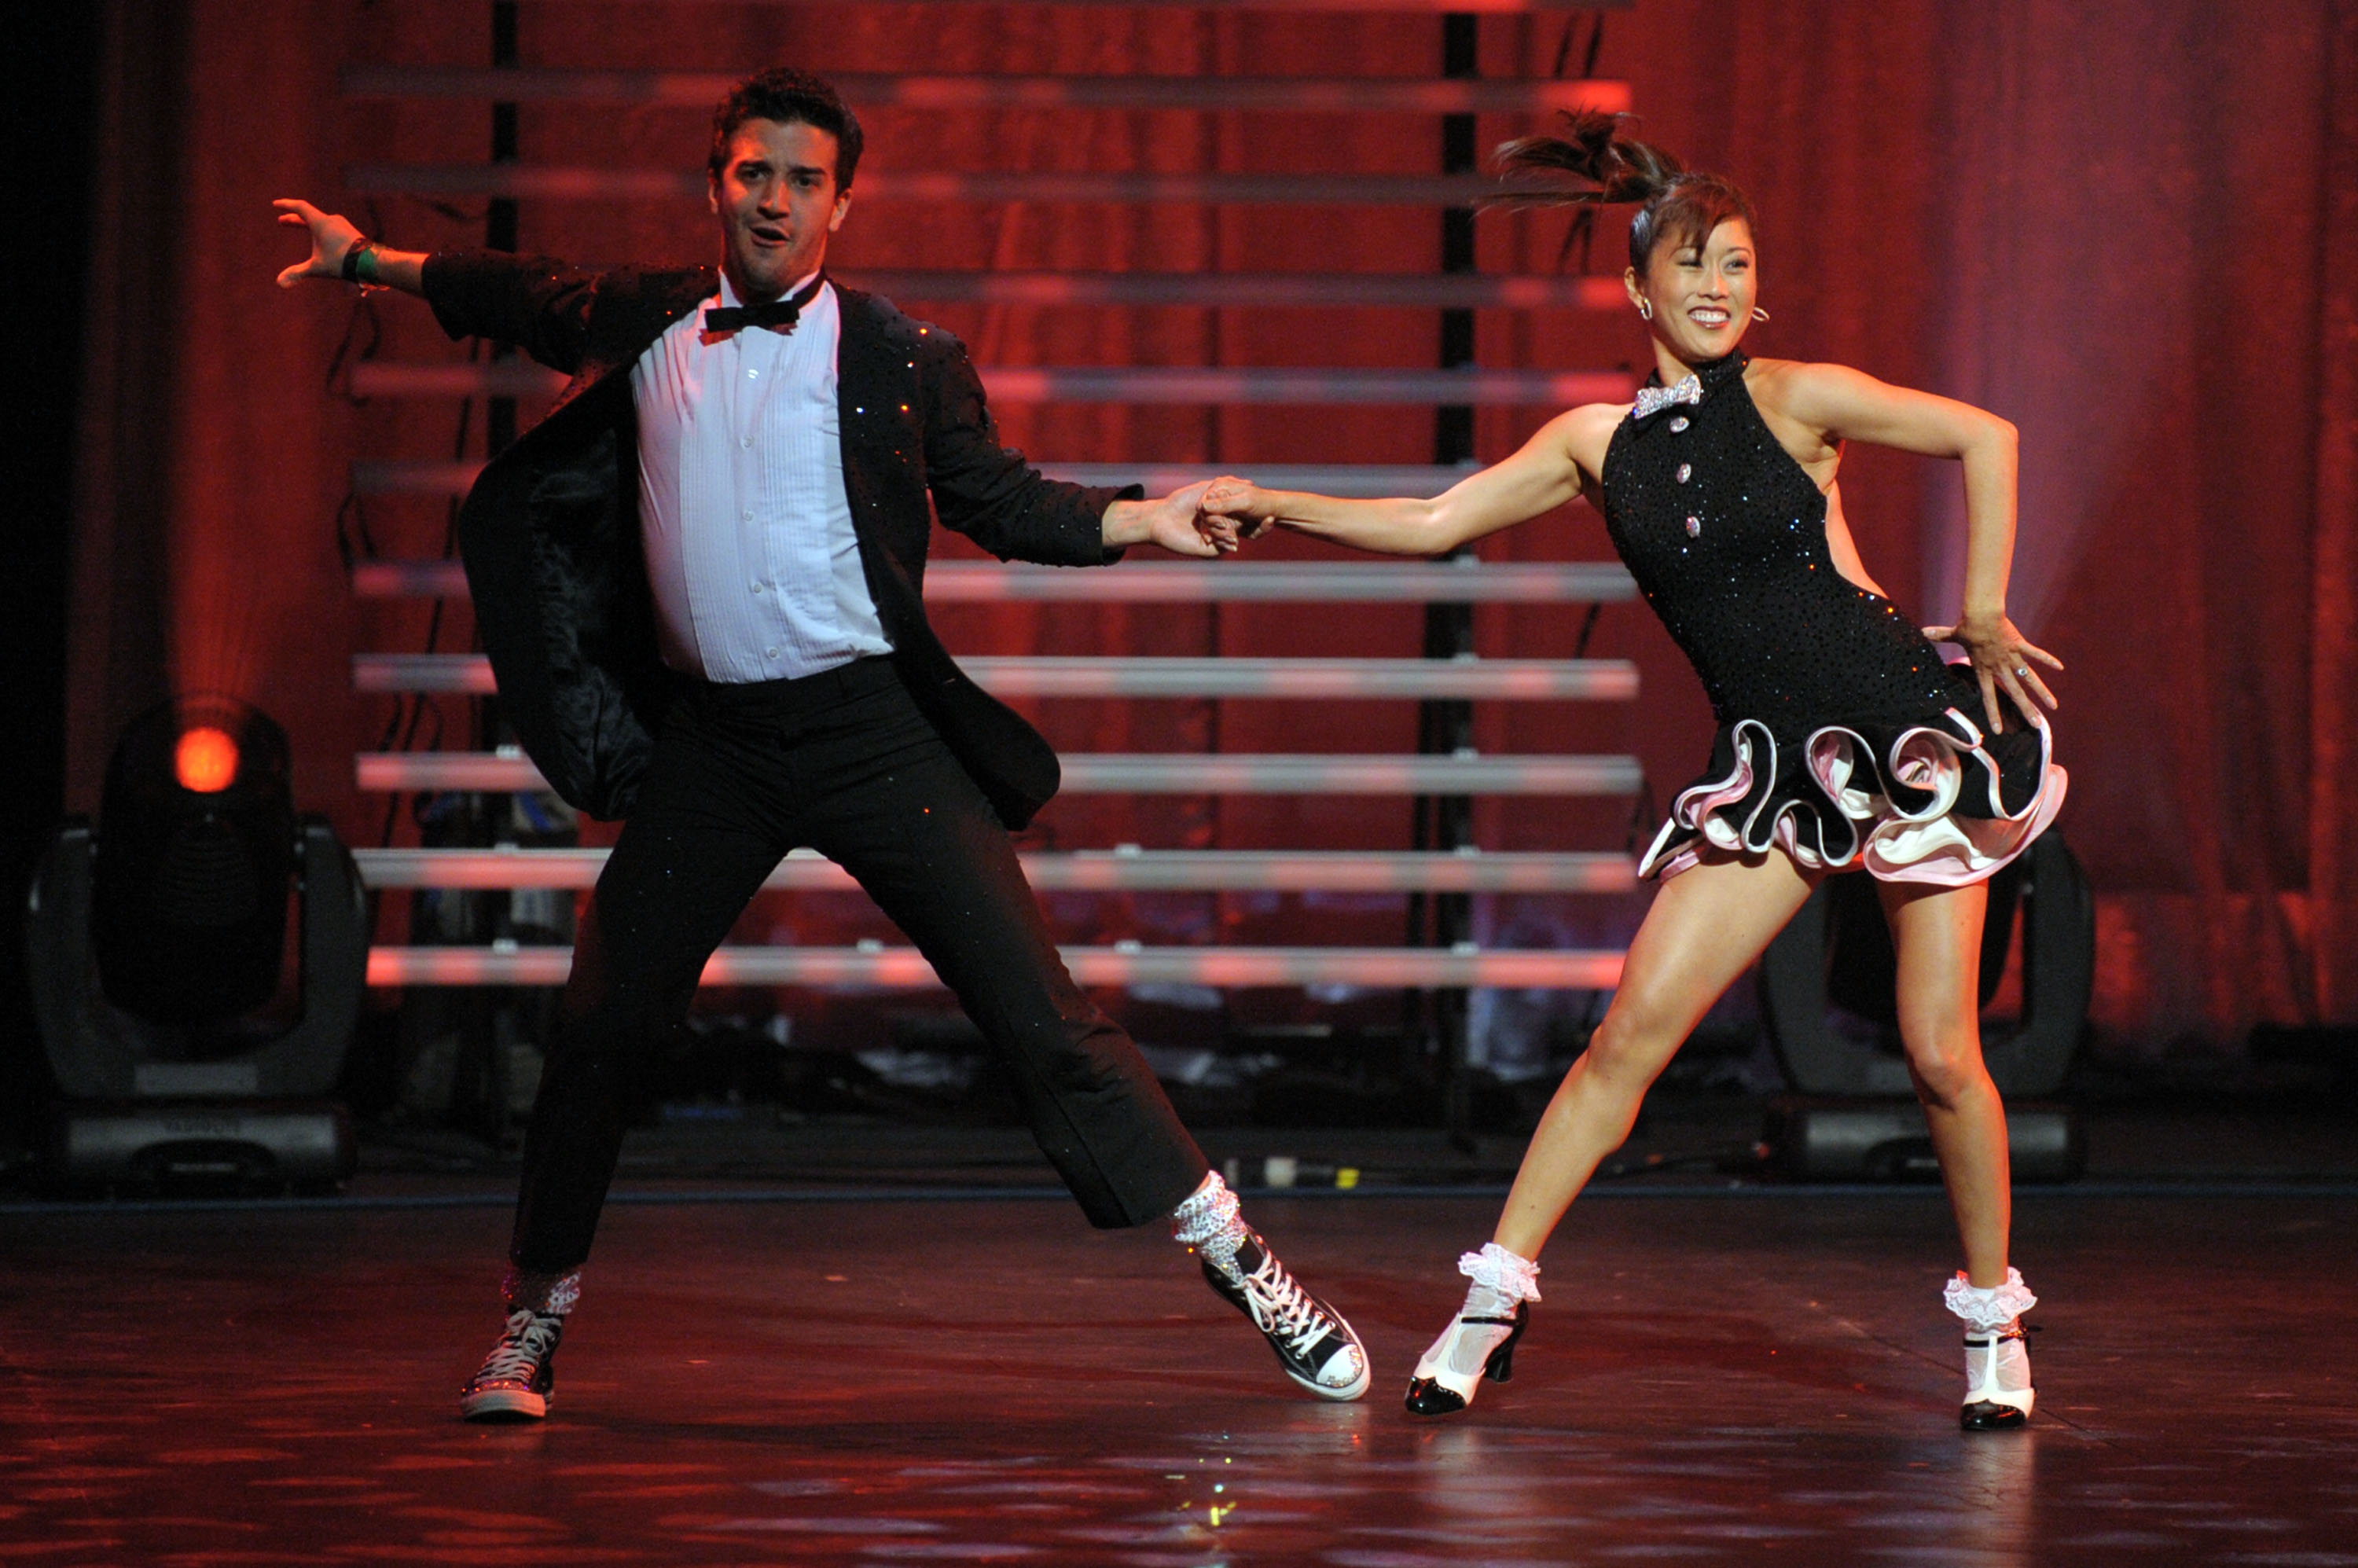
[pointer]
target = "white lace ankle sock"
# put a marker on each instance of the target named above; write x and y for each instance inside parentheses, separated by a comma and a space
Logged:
(1210, 1225)
(1986, 1311)
(1997, 1364)
(1502, 1281)
(548, 1294)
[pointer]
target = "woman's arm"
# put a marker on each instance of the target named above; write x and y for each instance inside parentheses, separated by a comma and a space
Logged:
(1844, 404)
(1552, 468)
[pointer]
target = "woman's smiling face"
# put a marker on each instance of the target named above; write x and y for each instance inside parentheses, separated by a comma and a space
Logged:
(1701, 295)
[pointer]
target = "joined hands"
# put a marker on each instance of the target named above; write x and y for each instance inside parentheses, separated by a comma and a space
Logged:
(1185, 521)
(1234, 509)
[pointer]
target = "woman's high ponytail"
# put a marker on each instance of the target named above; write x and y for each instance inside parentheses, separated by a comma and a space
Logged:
(1593, 164)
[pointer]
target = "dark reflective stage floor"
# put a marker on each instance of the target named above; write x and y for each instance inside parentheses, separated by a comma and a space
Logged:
(1711, 1379)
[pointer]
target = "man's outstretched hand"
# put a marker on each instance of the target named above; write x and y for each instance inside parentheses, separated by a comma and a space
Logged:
(1177, 523)
(332, 236)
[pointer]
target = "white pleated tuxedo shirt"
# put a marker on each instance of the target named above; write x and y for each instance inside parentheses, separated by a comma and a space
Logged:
(750, 546)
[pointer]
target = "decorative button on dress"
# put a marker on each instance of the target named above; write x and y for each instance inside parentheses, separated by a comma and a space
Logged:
(1843, 737)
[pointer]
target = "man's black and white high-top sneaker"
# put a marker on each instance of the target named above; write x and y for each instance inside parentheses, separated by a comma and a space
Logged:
(518, 1379)
(1313, 1342)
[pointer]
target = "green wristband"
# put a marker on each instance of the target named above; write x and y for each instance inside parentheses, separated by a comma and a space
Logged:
(360, 262)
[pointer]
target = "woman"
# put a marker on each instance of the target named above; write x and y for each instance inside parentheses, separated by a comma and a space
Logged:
(1844, 742)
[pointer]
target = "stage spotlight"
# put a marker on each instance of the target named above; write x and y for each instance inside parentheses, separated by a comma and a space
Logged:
(205, 760)
(197, 851)
(156, 946)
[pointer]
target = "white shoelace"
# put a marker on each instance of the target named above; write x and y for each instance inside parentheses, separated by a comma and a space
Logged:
(1281, 1307)
(521, 1350)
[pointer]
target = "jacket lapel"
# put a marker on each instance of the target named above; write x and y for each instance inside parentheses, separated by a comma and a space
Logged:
(867, 397)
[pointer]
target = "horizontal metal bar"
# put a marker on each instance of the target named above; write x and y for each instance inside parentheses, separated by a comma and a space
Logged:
(1136, 772)
(456, 378)
(1364, 480)
(554, 182)
(905, 969)
(1074, 870)
(700, 90)
(1260, 385)
(1473, 680)
(1208, 384)
(428, 476)
(1175, 582)
(1425, 7)
(413, 476)
(1276, 290)
(1286, 290)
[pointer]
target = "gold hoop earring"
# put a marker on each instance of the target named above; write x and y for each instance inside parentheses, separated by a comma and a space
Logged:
(1759, 314)
(1646, 309)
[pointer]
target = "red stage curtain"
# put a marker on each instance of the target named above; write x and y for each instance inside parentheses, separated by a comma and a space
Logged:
(2123, 225)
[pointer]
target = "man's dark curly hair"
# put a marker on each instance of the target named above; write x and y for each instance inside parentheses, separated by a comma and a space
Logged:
(790, 97)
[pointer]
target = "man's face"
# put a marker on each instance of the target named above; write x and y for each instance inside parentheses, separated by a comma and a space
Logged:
(777, 199)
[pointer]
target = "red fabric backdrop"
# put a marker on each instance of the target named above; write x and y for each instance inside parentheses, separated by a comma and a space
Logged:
(2124, 226)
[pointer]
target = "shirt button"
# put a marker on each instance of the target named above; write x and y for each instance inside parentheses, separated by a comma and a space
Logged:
(746, 442)
(1678, 424)
(753, 375)
(1694, 526)
(1686, 471)
(755, 585)
(772, 653)
(749, 514)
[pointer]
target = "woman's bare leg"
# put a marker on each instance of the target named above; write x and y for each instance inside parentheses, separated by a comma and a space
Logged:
(1937, 933)
(1705, 928)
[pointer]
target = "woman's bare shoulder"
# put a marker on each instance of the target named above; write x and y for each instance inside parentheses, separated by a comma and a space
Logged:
(1781, 373)
(1796, 384)
(1586, 431)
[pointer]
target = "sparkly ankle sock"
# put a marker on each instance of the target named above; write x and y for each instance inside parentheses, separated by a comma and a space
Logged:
(1208, 1224)
(1502, 1281)
(548, 1294)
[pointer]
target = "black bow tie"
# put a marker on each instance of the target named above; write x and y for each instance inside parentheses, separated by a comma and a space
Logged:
(779, 313)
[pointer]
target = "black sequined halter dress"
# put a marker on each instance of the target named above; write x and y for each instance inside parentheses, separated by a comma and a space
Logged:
(1843, 737)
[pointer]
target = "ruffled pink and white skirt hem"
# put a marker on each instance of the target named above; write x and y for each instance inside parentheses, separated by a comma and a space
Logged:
(1942, 804)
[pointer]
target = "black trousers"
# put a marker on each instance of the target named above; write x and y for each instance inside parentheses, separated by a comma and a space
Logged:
(842, 762)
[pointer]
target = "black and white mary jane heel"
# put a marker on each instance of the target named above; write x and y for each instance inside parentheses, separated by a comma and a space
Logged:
(1469, 1350)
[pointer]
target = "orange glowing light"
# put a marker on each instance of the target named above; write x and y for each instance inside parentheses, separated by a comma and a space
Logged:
(206, 760)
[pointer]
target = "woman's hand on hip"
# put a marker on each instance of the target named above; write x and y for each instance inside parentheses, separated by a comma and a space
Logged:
(2001, 658)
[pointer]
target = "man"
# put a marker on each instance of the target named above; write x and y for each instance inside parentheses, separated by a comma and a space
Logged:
(698, 580)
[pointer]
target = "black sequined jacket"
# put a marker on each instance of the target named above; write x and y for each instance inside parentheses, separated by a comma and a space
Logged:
(550, 532)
